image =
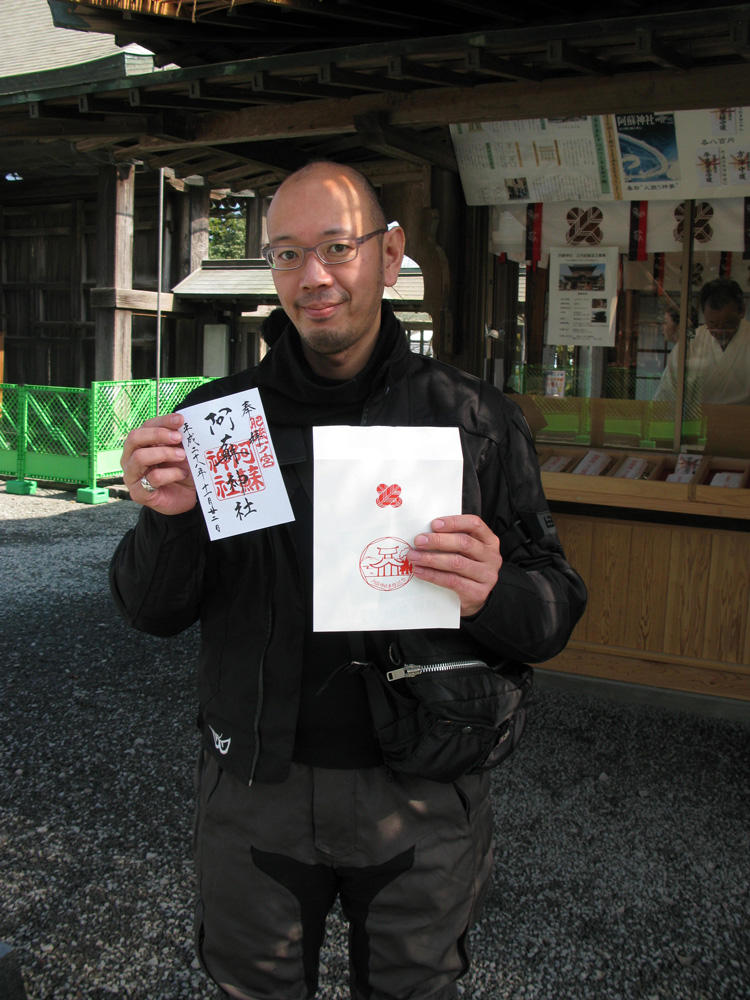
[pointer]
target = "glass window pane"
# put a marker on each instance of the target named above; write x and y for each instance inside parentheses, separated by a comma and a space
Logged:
(717, 369)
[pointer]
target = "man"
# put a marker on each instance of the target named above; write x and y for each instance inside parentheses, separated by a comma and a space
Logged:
(718, 357)
(295, 805)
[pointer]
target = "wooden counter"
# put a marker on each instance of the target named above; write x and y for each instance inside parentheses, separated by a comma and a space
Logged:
(669, 603)
(653, 493)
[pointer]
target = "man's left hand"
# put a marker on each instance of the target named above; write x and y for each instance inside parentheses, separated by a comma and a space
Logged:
(461, 553)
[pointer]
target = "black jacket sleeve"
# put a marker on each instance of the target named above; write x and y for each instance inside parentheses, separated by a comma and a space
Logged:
(156, 573)
(539, 597)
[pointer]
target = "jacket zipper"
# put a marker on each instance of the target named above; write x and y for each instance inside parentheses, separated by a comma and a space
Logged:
(259, 695)
(415, 669)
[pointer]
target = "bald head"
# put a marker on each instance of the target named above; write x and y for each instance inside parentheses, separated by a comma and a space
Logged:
(353, 190)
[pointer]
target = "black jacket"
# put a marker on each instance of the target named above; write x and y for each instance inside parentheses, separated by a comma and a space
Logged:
(247, 590)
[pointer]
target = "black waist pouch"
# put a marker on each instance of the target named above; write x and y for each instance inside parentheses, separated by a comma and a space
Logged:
(441, 720)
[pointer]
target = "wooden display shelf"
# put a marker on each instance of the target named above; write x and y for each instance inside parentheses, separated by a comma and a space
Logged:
(653, 492)
(732, 496)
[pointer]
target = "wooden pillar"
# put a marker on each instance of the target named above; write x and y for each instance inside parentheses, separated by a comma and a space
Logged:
(79, 332)
(536, 292)
(462, 235)
(195, 238)
(428, 231)
(447, 200)
(193, 249)
(475, 284)
(253, 226)
(505, 313)
(114, 248)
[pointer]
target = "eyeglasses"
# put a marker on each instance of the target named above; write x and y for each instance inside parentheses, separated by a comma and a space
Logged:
(333, 251)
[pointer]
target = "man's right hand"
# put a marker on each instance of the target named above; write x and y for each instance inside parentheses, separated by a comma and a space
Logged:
(154, 451)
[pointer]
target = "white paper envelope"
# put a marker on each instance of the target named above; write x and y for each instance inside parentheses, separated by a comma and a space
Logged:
(375, 488)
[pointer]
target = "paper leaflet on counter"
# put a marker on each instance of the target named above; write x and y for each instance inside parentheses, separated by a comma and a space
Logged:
(234, 465)
(375, 489)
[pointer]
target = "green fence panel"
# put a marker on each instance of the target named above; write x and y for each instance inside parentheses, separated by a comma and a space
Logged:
(172, 391)
(118, 407)
(75, 436)
(9, 427)
(57, 424)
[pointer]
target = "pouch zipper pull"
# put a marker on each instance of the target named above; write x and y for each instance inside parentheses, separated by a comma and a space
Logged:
(415, 669)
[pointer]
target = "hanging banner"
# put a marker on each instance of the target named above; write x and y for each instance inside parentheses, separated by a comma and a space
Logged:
(638, 228)
(534, 217)
(582, 296)
(720, 224)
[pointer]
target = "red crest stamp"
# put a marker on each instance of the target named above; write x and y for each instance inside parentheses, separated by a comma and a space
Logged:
(389, 496)
(383, 563)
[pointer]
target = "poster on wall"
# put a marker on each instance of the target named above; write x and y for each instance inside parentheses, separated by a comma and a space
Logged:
(683, 154)
(641, 156)
(536, 159)
(649, 159)
(582, 296)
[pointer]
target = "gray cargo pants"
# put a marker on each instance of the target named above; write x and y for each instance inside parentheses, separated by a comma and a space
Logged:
(408, 858)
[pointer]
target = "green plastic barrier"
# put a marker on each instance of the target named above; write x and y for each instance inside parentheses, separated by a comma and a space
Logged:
(75, 436)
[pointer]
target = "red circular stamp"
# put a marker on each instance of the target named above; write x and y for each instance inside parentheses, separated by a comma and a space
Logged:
(383, 563)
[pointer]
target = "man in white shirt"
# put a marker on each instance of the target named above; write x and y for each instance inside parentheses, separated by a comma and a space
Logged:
(718, 358)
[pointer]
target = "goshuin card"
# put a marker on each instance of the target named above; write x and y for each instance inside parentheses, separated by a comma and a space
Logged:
(234, 465)
(375, 489)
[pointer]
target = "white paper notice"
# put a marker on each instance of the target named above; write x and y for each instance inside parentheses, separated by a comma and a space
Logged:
(376, 488)
(234, 466)
(582, 296)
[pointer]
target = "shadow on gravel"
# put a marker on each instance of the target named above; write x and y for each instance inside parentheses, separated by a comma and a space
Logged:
(622, 831)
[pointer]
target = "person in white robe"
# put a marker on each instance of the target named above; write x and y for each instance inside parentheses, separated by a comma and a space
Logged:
(718, 357)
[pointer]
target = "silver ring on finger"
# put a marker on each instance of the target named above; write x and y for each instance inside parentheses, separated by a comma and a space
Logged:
(147, 485)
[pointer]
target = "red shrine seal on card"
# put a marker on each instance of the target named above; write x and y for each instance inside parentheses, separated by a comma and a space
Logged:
(383, 563)
(389, 496)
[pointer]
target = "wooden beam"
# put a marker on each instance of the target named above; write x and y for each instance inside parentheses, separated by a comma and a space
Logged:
(145, 100)
(377, 135)
(651, 47)
(42, 130)
(331, 74)
(561, 53)
(266, 83)
(739, 34)
(224, 96)
(616, 94)
(135, 300)
(442, 76)
(479, 61)
(89, 104)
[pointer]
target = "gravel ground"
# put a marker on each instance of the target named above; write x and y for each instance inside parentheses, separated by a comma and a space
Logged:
(622, 829)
